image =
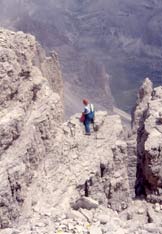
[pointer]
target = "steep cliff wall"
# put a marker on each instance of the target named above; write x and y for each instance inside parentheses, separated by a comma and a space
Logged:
(46, 166)
(30, 113)
(147, 122)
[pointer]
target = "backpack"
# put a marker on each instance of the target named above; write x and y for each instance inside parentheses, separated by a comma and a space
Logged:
(82, 118)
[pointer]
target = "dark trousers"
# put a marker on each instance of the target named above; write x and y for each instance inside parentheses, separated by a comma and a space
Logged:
(89, 118)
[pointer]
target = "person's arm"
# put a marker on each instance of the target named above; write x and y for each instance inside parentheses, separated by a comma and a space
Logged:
(85, 111)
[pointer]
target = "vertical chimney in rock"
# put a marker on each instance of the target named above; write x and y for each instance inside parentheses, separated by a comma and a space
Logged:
(136, 142)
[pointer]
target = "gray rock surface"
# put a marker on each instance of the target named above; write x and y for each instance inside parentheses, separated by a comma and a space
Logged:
(30, 113)
(55, 179)
(143, 98)
(147, 121)
(46, 165)
(102, 159)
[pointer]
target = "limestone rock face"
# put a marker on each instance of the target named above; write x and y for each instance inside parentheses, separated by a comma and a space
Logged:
(147, 119)
(98, 164)
(153, 130)
(55, 179)
(78, 172)
(144, 95)
(134, 141)
(85, 166)
(30, 113)
(46, 166)
(50, 69)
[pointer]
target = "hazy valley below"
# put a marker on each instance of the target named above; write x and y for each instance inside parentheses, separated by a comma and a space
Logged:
(100, 43)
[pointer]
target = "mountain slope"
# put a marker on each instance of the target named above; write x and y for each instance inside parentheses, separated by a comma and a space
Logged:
(124, 37)
(55, 179)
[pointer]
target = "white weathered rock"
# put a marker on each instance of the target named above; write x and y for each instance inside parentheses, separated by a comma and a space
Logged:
(141, 211)
(47, 167)
(30, 113)
(104, 219)
(149, 138)
(95, 230)
(143, 98)
(86, 203)
(157, 207)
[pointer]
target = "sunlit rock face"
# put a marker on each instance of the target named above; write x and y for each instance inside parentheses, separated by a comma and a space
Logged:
(45, 165)
(30, 112)
(147, 129)
(122, 36)
(54, 178)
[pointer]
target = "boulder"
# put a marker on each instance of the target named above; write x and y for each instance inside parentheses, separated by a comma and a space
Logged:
(95, 230)
(85, 203)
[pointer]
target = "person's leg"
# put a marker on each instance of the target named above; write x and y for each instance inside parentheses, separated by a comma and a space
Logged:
(87, 125)
(92, 117)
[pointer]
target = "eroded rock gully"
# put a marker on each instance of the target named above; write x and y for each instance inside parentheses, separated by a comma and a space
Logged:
(148, 126)
(54, 179)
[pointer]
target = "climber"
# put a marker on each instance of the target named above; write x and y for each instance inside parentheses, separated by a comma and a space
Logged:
(87, 116)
